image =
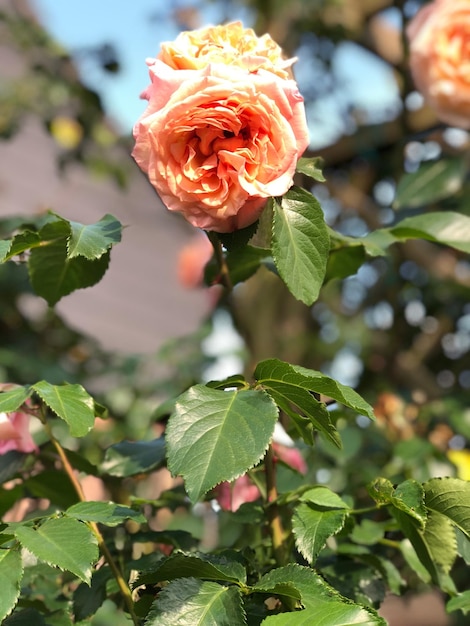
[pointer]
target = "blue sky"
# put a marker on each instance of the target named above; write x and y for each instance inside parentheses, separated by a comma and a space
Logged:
(129, 26)
(136, 28)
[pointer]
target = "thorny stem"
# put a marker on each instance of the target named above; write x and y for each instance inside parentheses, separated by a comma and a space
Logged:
(274, 518)
(221, 261)
(69, 470)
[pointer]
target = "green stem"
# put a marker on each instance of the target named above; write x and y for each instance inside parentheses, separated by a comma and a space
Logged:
(69, 470)
(221, 261)
(274, 518)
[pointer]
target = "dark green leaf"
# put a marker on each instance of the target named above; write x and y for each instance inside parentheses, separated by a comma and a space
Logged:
(216, 436)
(25, 617)
(11, 572)
(344, 262)
(64, 543)
(204, 566)
(451, 498)
(53, 485)
(432, 182)
(107, 513)
(94, 240)
(300, 243)
(129, 458)
(88, 599)
(191, 602)
(71, 403)
(52, 274)
(244, 262)
(238, 238)
(311, 167)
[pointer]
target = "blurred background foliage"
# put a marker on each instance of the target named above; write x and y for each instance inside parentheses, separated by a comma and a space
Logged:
(397, 329)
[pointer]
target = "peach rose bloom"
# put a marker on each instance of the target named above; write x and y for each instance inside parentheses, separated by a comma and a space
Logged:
(229, 44)
(215, 143)
(14, 433)
(439, 37)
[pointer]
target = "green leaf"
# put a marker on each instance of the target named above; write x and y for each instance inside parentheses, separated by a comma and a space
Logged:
(448, 228)
(25, 617)
(311, 167)
(11, 573)
(52, 274)
(409, 497)
(368, 532)
(432, 182)
(64, 543)
(53, 485)
(381, 491)
(287, 388)
(87, 599)
(5, 246)
(320, 383)
(216, 436)
(440, 536)
(320, 515)
(191, 602)
(461, 602)
(107, 513)
(300, 243)
(324, 606)
(71, 403)
(205, 566)
(94, 240)
(344, 262)
(412, 530)
(451, 498)
(244, 262)
(129, 458)
(410, 556)
(11, 400)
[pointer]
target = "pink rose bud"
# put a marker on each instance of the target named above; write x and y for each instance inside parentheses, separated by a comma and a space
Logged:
(14, 433)
(224, 133)
(440, 57)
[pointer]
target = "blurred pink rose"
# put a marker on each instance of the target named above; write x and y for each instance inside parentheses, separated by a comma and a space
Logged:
(439, 37)
(218, 141)
(231, 496)
(229, 44)
(192, 260)
(14, 433)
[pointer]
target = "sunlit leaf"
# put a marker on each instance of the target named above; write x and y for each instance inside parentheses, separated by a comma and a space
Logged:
(11, 573)
(300, 243)
(64, 543)
(311, 167)
(92, 241)
(69, 402)
(107, 513)
(12, 400)
(432, 182)
(451, 498)
(192, 602)
(216, 436)
(197, 565)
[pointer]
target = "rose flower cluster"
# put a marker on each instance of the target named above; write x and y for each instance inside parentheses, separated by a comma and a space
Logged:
(439, 38)
(224, 126)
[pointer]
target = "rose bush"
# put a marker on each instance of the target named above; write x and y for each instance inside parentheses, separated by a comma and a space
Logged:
(439, 37)
(216, 142)
(14, 433)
